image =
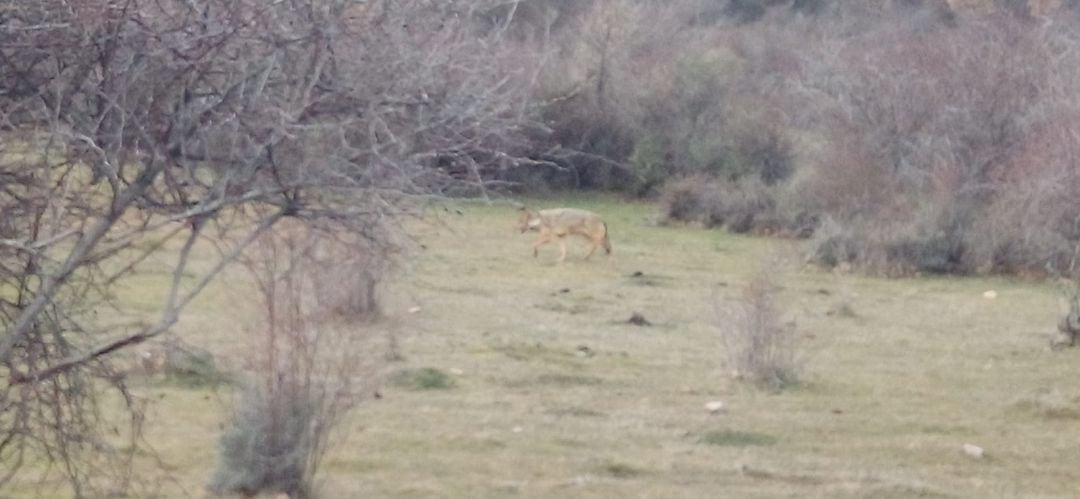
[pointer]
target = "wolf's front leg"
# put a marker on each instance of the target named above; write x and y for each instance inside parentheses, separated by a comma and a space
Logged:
(539, 242)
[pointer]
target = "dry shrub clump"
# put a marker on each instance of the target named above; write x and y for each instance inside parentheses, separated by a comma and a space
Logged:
(980, 188)
(911, 159)
(772, 117)
(315, 353)
(759, 346)
(746, 205)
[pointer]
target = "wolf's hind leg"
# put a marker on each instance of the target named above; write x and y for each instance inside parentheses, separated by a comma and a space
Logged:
(592, 248)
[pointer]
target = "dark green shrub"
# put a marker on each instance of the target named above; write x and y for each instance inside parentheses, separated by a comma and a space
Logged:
(649, 164)
(194, 368)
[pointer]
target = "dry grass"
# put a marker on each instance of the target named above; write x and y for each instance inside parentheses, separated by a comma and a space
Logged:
(571, 401)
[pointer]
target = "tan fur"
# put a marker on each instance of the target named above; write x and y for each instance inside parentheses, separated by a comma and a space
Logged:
(557, 223)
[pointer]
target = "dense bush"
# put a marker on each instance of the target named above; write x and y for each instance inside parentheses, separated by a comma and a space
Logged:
(268, 444)
(835, 244)
(746, 205)
(922, 159)
(981, 188)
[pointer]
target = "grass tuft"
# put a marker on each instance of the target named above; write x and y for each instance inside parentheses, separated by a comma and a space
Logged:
(621, 470)
(568, 380)
(732, 438)
(424, 378)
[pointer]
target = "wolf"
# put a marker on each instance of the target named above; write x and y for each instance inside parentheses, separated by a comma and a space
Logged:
(557, 223)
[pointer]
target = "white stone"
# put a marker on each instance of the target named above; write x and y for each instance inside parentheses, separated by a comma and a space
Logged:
(974, 451)
(714, 406)
(990, 295)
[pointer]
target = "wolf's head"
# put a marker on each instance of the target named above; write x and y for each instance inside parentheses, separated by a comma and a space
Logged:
(529, 220)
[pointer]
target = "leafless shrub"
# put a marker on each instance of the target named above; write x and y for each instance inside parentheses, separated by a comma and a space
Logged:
(932, 243)
(888, 126)
(314, 356)
(1068, 326)
(1033, 222)
(759, 346)
(922, 190)
(835, 244)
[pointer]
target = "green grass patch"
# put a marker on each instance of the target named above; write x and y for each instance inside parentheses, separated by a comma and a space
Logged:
(424, 378)
(1049, 405)
(198, 374)
(571, 308)
(538, 352)
(889, 397)
(733, 438)
(576, 412)
(568, 380)
(621, 470)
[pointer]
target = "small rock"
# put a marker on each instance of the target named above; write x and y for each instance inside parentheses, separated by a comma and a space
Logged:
(584, 351)
(518, 429)
(564, 290)
(637, 274)
(974, 451)
(715, 406)
(456, 372)
(990, 295)
(413, 310)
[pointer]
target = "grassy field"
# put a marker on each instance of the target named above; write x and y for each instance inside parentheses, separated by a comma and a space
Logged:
(549, 392)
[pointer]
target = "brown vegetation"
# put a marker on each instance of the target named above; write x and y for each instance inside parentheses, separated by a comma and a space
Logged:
(937, 140)
(142, 132)
(904, 136)
(313, 355)
(759, 346)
